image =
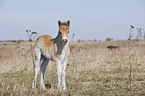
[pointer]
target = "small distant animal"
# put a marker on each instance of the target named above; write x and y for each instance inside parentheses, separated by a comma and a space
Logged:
(113, 47)
(55, 49)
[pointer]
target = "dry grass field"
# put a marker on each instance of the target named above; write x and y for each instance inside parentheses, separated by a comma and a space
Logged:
(92, 70)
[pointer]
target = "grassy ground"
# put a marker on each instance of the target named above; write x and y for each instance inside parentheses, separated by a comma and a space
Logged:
(91, 70)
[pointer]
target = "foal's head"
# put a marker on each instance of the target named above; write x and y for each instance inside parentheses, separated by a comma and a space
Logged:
(64, 30)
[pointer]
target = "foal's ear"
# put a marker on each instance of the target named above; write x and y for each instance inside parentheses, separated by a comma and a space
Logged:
(59, 22)
(68, 23)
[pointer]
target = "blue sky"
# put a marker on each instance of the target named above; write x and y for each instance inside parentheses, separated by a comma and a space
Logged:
(90, 19)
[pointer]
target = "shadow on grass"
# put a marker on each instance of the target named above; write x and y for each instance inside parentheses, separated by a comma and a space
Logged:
(48, 86)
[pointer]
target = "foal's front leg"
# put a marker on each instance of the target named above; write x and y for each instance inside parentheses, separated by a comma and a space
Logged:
(63, 75)
(59, 73)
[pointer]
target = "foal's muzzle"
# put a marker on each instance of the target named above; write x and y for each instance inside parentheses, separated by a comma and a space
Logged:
(65, 41)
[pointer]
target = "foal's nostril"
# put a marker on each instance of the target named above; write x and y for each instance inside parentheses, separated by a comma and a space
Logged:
(64, 41)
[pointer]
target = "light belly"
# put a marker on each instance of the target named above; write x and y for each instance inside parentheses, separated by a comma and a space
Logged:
(48, 54)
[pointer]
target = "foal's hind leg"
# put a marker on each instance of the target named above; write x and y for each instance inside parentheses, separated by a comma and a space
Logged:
(36, 66)
(43, 70)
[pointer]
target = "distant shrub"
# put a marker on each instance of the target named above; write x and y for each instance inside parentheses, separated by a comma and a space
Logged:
(79, 40)
(89, 40)
(12, 40)
(99, 40)
(30, 40)
(19, 41)
(95, 40)
(108, 39)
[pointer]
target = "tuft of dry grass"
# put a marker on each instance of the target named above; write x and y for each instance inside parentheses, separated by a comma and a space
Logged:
(91, 69)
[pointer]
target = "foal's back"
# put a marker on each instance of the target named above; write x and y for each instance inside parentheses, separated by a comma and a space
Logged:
(44, 41)
(45, 44)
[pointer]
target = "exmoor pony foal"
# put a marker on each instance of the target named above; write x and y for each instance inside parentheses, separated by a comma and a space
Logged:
(54, 49)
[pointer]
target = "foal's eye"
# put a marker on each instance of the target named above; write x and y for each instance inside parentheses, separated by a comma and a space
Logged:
(67, 31)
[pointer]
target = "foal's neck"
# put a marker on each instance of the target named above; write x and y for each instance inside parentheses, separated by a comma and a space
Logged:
(58, 41)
